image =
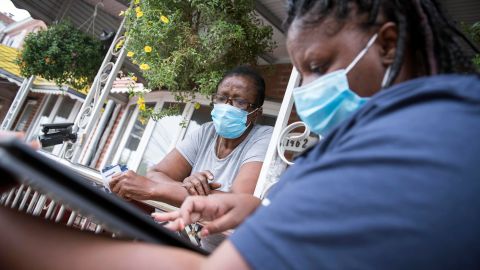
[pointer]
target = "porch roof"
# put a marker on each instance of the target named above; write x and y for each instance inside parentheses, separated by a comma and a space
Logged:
(10, 71)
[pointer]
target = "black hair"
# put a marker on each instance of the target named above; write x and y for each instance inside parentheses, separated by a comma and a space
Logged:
(421, 23)
(254, 76)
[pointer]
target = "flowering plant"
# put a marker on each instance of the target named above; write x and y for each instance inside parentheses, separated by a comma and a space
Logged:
(63, 54)
(186, 46)
(475, 33)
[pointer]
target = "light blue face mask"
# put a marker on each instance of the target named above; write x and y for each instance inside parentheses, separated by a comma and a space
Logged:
(327, 101)
(230, 122)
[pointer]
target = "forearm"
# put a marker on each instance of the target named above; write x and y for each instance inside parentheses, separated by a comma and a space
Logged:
(29, 242)
(160, 177)
(170, 192)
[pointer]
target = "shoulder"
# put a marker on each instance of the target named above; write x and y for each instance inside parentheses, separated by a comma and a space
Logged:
(262, 131)
(423, 121)
(430, 89)
(206, 129)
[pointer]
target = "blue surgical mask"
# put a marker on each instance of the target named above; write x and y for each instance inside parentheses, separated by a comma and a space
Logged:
(327, 101)
(230, 122)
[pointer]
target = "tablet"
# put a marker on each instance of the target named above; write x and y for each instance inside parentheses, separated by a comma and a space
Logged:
(76, 192)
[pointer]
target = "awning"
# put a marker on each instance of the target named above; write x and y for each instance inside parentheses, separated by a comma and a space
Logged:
(10, 71)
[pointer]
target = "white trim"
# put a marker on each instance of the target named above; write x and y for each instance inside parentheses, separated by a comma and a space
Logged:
(283, 115)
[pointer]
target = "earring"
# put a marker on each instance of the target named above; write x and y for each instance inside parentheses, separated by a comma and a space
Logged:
(386, 77)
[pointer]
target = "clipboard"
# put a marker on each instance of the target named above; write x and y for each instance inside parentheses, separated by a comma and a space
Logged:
(76, 192)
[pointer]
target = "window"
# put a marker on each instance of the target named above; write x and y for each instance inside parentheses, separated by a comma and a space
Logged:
(45, 115)
(26, 115)
(161, 141)
(133, 140)
(64, 111)
(57, 109)
(199, 117)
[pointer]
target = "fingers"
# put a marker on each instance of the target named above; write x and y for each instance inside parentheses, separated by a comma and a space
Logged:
(167, 216)
(192, 209)
(223, 223)
(197, 183)
(176, 225)
(35, 144)
(215, 185)
(208, 174)
(114, 183)
(173, 218)
(189, 187)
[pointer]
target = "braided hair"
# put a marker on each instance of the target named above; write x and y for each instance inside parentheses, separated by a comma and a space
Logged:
(422, 26)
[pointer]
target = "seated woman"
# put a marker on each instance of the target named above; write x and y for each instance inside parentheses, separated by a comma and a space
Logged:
(225, 155)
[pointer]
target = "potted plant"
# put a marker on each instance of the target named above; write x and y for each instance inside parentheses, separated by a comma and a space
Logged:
(63, 54)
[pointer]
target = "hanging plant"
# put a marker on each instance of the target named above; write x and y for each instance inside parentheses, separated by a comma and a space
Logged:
(475, 33)
(63, 54)
(186, 46)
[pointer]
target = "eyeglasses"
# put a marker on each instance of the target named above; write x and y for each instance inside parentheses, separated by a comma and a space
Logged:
(236, 102)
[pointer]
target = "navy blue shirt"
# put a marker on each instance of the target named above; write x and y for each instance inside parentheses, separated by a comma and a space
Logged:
(396, 186)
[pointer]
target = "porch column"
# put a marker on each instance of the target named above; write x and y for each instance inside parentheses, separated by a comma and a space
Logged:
(270, 168)
(84, 124)
(17, 103)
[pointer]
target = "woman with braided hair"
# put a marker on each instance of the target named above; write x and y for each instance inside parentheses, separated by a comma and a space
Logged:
(393, 185)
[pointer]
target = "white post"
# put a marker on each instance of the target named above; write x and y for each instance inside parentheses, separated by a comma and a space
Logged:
(94, 140)
(17, 103)
(268, 167)
(91, 108)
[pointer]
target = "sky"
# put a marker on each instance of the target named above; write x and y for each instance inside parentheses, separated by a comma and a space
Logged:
(18, 14)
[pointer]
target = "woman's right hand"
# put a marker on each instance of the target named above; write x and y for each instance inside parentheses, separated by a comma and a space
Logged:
(225, 211)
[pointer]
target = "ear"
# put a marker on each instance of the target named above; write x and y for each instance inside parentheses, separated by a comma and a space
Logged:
(387, 39)
(256, 115)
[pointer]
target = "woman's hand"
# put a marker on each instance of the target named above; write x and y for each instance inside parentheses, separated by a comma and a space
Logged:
(132, 186)
(197, 183)
(225, 211)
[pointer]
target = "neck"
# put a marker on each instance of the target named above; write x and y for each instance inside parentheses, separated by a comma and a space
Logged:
(226, 146)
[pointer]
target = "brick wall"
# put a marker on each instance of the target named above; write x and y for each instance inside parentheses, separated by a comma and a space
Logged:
(276, 80)
(110, 136)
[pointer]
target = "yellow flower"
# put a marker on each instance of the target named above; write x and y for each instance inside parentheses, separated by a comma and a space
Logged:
(119, 44)
(139, 14)
(138, 9)
(140, 100)
(196, 105)
(143, 120)
(137, 2)
(164, 19)
(147, 49)
(144, 67)
(134, 78)
(141, 107)
(130, 54)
